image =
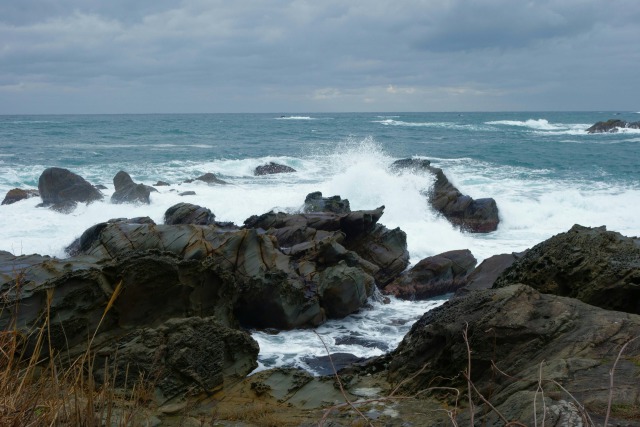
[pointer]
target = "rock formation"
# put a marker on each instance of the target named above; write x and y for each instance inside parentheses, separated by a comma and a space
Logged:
(187, 213)
(612, 126)
(17, 194)
(128, 191)
(272, 168)
(60, 189)
(314, 202)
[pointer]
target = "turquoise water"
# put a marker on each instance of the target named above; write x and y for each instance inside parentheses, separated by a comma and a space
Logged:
(545, 172)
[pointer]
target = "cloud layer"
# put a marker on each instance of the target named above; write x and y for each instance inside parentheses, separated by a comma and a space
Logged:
(299, 55)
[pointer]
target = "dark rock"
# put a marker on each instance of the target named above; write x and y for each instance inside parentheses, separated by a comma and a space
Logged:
(594, 265)
(612, 126)
(187, 193)
(63, 188)
(209, 178)
(17, 194)
(529, 336)
(92, 234)
(329, 365)
(476, 216)
(128, 191)
(161, 184)
(484, 275)
(314, 202)
(186, 213)
(433, 276)
(272, 168)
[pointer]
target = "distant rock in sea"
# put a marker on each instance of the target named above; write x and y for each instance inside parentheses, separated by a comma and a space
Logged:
(612, 126)
(60, 189)
(272, 168)
(17, 194)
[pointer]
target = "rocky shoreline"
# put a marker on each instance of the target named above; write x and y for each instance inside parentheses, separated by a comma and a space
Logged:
(527, 336)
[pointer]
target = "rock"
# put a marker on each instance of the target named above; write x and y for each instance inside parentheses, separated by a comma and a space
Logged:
(92, 234)
(594, 265)
(186, 213)
(161, 184)
(484, 275)
(209, 178)
(187, 193)
(181, 355)
(61, 189)
(314, 202)
(476, 216)
(17, 194)
(325, 365)
(100, 187)
(128, 191)
(272, 168)
(612, 126)
(527, 335)
(433, 276)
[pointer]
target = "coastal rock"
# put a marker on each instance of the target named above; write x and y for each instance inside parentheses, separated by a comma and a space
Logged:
(476, 216)
(534, 340)
(272, 168)
(314, 202)
(209, 178)
(594, 265)
(161, 184)
(612, 126)
(484, 275)
(92, 234)
(128, 191)
(433, 276)
(187, 213)
(17, 194)
(61, 189)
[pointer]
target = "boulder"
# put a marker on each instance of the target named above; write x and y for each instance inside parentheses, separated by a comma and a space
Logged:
(533, 340)
(209, 178)
(314, 202)
(92, 234)
(187, 213)
(61, 189)
(484, 275)
(128, 191)
(161, 184)
(594, 265)
(433, 276)
(476, 216)
(272, 168)
(612, 126)
(17, 194)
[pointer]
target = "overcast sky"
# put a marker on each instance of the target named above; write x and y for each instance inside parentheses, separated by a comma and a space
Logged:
(157, 56)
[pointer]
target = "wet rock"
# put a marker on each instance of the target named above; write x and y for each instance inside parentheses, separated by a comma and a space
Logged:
(314, 202)
(594, 265)
(476, 216)
(161, 184)
(92, 234)
(528, 336)
(484, 275)
(433, 276)
(187, 213)
(329, 365)
(187, 193)
(17, 194)
(612, 126)
(61, 189)
(272, 168)
(128, 191)
(209, 178)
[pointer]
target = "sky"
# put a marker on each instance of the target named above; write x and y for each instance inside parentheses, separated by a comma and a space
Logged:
(202, 56)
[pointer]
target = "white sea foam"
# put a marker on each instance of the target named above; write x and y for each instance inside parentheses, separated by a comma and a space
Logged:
(544, 126)
(295, 118)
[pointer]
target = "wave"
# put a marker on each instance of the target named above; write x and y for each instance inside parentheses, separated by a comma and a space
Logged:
(444, 125)
(295, 118)
(543, 126)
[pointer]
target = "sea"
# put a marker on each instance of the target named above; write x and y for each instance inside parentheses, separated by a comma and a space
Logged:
(544, 170)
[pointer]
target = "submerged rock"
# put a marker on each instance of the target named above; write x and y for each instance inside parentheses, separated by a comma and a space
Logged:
(594, 265)
(61, 189)
(476, 216)
(17, 194)
(272, 168)
(612, 126)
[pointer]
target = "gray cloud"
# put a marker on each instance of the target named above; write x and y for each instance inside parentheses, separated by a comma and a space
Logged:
(273, 55)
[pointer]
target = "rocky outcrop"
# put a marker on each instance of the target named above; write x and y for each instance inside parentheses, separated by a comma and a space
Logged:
(433, 276)
(187, 213)
(128, 191)
(594, 265)
(534, 340)
(17, 194)
(484, 275)
(209, 178)
(314, 202)
(60, 189)
(612, 126)
(476, 216)
(91, 234)
(272, 168)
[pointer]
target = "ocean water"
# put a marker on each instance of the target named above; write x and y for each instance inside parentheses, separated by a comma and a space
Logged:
(545, 172)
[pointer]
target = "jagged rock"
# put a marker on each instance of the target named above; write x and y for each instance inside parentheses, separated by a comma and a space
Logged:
(484, 275)
(314, 202)
(187, 213)
(476, 216)
(61, 189)
(433, 276)
(128, 191)
(612, 126)
(209, 178)
(272, 168)
(17, 194)
(528, 336)
(594, 265)
(91, 234)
